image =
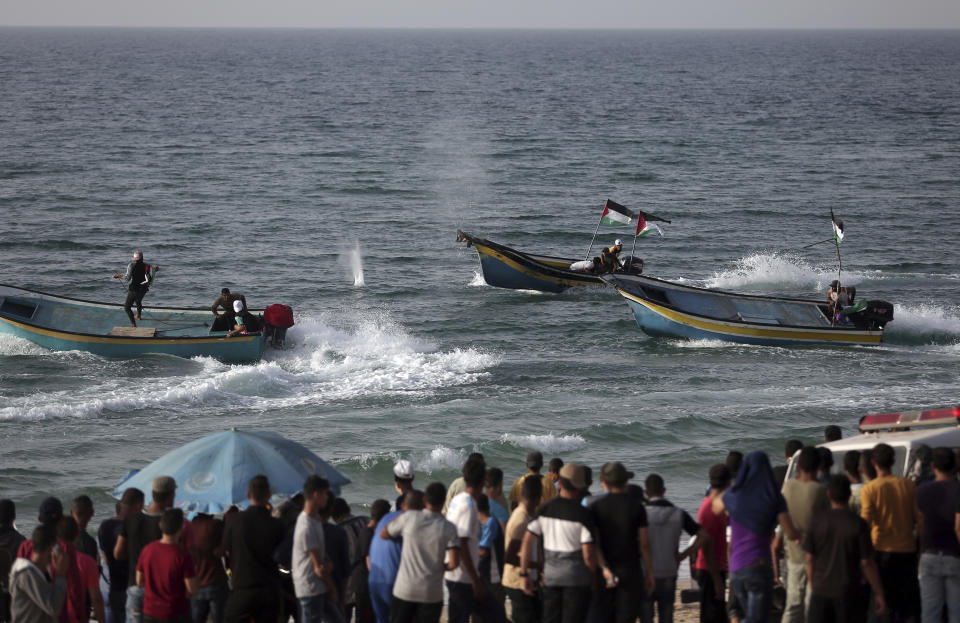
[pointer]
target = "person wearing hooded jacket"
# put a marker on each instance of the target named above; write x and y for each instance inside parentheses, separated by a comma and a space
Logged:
(34, 597)
(755, 507)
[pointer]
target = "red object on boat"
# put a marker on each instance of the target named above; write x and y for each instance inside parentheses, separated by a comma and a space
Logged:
(279, 315)
(911, 419)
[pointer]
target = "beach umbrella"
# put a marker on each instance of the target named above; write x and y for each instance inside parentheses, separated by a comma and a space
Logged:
(213, 472)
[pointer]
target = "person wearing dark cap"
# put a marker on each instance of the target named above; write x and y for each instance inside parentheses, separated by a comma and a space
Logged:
(570, 554)
(139, 529)
(534, 465)
(10, 541)
(34, 597)
(623, 533)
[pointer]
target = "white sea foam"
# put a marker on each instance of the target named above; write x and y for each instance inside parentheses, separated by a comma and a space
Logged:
(441, 457)
(545, 443)
(705, 344)
(926, 322)
(370, 355)
(781, 271)
(477, 280)
(12, 345)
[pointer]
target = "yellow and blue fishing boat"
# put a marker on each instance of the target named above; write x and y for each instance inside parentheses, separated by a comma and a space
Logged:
(665, 309)
(504, 267)
(61, 323)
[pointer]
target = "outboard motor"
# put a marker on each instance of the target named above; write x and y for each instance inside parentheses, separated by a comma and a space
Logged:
(870, 316)
(276, 320)
(631, 265)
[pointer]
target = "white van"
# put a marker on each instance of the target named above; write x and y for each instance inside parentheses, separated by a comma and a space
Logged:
(905, 432)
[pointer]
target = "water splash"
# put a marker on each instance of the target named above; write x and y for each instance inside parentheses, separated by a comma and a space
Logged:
(772, 271)
(924, 324)
(356, 266)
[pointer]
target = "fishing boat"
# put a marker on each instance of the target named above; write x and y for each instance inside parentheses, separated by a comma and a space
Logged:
(665, 309)
(504, 267)
(62, 323)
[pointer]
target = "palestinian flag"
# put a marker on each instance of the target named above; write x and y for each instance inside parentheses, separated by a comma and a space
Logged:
(616, 215)
(837, 228)
(644, 228)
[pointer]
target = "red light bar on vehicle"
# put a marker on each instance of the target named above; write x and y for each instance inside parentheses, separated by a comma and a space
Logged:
(910, 419)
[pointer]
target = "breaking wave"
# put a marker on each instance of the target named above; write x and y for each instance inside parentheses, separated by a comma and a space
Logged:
(370, 356)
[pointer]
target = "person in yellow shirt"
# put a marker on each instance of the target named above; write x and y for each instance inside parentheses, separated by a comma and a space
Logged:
(888, 504)
(534, 465)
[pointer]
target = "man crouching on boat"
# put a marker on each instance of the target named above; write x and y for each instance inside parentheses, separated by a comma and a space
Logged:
(610, 257)
(245, 321)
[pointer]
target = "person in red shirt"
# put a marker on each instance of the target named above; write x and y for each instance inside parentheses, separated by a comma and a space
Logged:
(167, 574)
(68, 530)
(711, 573)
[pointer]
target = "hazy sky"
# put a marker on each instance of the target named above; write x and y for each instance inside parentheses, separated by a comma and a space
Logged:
(488, 13)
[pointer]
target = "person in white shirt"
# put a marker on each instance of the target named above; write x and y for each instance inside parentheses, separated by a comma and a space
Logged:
(312, 582)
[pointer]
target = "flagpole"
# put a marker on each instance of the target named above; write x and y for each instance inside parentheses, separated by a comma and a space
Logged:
(633, 251)
(595, 232)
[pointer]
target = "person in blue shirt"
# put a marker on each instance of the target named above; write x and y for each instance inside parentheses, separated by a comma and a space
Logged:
(384, 560)
(491, 548)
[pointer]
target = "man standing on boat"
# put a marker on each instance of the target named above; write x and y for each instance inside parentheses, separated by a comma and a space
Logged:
(139, 276)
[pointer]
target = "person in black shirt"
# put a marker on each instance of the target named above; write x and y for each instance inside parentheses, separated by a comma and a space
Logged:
(116, 596)
(839, 552)
(624, 539)
(10, 541)
(249, 540)
(139, 529)
(939, 502)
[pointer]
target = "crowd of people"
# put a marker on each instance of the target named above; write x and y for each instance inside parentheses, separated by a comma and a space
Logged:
(857, 543)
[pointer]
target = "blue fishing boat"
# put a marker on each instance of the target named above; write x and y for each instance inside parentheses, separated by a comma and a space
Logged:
(504, 267)
(665, 309)
(61, 323)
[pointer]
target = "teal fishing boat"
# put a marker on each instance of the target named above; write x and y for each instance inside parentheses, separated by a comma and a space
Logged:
(665, 309)
(62, 323)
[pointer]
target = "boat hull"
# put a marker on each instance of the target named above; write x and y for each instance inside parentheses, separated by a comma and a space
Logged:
(504, 267)
(660, 319)
(239, 349)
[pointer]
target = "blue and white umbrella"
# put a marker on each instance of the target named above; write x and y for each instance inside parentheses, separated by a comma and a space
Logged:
(214, 472)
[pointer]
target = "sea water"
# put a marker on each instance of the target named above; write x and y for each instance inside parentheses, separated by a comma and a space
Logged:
(295, 166)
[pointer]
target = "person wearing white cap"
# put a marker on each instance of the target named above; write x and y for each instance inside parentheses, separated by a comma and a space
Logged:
(139, 276)
(244, 321)
(402, 480)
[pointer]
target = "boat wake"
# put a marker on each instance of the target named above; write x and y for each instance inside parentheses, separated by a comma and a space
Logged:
(369, 357)
(781, 271)
(924, 324)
